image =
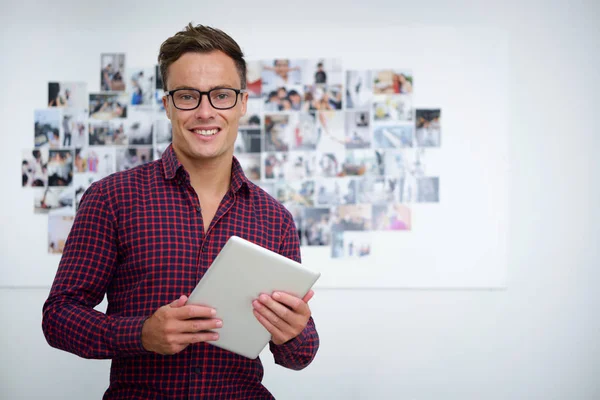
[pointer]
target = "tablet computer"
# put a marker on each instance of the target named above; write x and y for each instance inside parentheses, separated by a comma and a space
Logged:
(239, 274)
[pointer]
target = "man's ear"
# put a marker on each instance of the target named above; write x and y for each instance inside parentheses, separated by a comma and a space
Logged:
(165, 101)
(244, 103)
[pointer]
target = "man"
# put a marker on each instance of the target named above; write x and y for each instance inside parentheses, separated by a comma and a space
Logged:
(147, 235)
(320, 75)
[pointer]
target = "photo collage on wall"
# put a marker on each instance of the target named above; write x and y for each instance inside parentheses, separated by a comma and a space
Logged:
(344, 151)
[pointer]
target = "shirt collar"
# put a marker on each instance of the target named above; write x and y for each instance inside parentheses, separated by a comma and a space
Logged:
(238, 178)
(171, 165)
(170, 162)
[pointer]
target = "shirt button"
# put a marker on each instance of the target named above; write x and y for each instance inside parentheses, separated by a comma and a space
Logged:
(198, 209)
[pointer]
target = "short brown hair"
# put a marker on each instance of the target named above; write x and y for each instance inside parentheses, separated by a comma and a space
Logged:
(199, 39)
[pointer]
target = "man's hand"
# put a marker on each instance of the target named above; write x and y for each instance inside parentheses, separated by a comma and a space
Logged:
(285, 316)
(175, 326)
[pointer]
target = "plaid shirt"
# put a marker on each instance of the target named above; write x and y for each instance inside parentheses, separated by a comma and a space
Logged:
(138, 237)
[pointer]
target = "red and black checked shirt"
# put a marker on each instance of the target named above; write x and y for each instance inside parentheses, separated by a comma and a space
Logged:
(138, 237)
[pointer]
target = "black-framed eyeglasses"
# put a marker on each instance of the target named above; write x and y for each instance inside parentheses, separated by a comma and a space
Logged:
(219, 98)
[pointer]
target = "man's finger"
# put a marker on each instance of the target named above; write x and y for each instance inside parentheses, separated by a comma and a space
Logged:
(276, 333)
(199, 325)
(291, 301)
(180, 302)
(193, 311)
(205, 336)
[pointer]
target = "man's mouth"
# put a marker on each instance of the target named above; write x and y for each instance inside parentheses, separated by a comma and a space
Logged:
(206, 132)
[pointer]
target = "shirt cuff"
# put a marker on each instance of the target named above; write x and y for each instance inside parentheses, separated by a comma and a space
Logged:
(291, 345)
(127, 338)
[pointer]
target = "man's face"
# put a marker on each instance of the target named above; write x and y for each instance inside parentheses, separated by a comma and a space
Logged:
(204, 133)
(281, 66)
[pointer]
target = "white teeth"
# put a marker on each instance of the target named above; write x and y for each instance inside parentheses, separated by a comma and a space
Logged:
(204, 132)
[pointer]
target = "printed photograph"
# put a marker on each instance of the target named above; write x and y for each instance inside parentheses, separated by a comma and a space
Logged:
(75, 127)
(337, 243)
(378, 190)
(361, 162)
(359, 89)
(47, 123)
(429, 128)
(158, 78)
(323, 98)
(295, 131)
(281, 73)
(159, 90)
(317, 227)
(323, 72)
(358, 134)
(99, 161)
(248, 140)
(391, 217)
(305, 131)
(393, 82)
(357, 244)
(329, 165)
(250, 164)
(138, 127)
(67, 94)
(336, 191)
(279, 135)
(295, 193)
(49, 199)
(395, 163)
(253, 79)
(60, 167)
(81, 182)
(162, 127)
(389, 136)
(289, 166)
(34, 168)
(159, 149)
(106, 133)
(252, 119)
(133, 157)
(352, 217)
(393, 108)
(141, 86)
(407, 189)
(284, 98)
(298, 216)
(105, 106)
(428, 190)
(112, 72)
(300, 165)
(274, 165)
(59, 227)
(331, 132)
(416, 169)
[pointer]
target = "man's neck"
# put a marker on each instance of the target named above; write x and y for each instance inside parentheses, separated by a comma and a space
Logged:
(209, 178)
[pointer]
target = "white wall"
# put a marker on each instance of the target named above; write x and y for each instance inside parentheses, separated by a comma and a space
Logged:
(536, 340)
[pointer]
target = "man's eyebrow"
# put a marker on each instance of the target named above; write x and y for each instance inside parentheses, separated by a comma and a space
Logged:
(221, 86)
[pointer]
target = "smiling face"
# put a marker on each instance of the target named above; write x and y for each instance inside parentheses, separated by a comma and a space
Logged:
(204, 134)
